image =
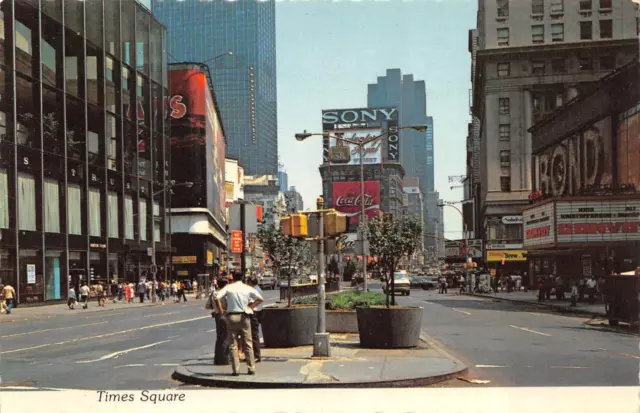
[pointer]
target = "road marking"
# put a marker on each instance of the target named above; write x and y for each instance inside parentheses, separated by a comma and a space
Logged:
(488, 366)
(167, 364)
(130, 365)
(104, 335)
(538, 314)
(211, 331)
(531, 331)
(631, 355)
(568, 367)
(51, 329)
(460, 311)
(155, 315)
(121, 352)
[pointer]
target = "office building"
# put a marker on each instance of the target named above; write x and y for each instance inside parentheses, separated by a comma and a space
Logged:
(532, 57)
(283, 181)
(294, 200)
(431, 172)
(245, 81)
(413, 202)
(263, 190)
(84, 151)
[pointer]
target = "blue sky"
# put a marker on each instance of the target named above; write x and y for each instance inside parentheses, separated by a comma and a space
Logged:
(328, 51)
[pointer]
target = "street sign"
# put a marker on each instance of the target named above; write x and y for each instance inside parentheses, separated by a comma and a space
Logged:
(236, 242)
(153, 268)
(150, 252)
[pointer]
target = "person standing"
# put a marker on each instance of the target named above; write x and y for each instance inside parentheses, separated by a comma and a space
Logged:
(84, 295)
(100, 294)
(256, 320)
(241, 300)
(71, 300)
(113, 290)
(9, 295)
(142, 290)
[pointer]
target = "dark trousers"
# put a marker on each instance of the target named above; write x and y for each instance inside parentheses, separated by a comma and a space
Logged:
(221, 356)
(256, 319)
(141, 297)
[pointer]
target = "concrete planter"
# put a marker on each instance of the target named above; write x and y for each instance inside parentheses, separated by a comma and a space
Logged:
(395, 327)
(339, 321)
(289, 326)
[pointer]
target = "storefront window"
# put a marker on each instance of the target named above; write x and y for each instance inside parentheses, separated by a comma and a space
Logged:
(53, 278)
(77, 270)
(128, 217)
(95, 200)
(26, 202)
(8, 268)
(142, 41)
(142, 221)
(31, 288)
(113, 215)
(74, 209)
(51, 206)
(96, 269)
(4, 199)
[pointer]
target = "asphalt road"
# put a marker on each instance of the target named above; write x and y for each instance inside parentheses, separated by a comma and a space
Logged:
(517, 345)
(138, 348)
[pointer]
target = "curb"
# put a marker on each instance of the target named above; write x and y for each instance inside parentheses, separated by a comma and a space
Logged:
(181, 374)
(552, 307)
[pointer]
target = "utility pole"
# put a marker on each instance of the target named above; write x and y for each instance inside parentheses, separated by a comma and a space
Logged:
(362, 220)
(321, 346)
(243, 224)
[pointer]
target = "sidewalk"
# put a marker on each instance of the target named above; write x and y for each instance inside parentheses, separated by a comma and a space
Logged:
(349, 366)
(530, 297)
(24, 313)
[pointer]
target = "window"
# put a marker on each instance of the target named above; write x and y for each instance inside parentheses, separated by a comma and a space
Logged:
(503, 8)
(537, 67)
(95, 200)
(51, 206)
(537, 34)
(156, 222)
(73, 15)
(142, 219)
(127, 25)
(4, 199)
(586, 30)
(74, 202)
(557, 6)
(26, 35)
(112, 204)
(95, 136)
(607, 62)
(505, 132)
(557, 32)
(111, 82)
(76, 129)
(93, 13)
(112, 27)
(26, 202)
(112, 143)
(585, 5)
(504, 69)
(606, 29)
(505, 158)
(537, 6)
(505, 183)
(503, 37)
(74, 64)
(586, 63)
(128, 217)
(95, 66)
(557, 66)
(605, 4)
(27, 111)
(505, 106)
(142, 41)
(51, 52)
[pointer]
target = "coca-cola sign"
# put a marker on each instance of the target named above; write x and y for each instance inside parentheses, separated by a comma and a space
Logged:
(347, 198)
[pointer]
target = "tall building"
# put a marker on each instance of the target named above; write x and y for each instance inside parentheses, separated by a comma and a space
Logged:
(414, 201)
(245, 81)
(431, 172)
(84, 146)
(532, 57)
(283, 181)
(294, 200)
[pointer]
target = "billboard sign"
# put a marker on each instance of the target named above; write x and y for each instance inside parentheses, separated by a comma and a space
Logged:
(348, 200)
(506, 255)
(598, 221)
(236, 242)
(539, 225)
(358, 116)
(393, 142)
(453, 249)
(372, 150)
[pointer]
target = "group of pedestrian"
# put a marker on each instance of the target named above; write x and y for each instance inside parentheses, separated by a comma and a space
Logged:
(549, 284)
(237, 309)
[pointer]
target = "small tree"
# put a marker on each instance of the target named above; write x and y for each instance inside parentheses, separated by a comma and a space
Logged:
(283, 251)
(391, 239)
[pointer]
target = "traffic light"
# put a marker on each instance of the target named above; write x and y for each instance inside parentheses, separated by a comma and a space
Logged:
(335, 223)
(295, 225)
(285, 225)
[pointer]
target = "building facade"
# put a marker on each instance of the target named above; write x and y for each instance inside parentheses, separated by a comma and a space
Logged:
(264, 190)
(294, 200)
(532, 57)
(413, 202)
(84, 148)
(283, 181)
(245, 81)
(233, 181)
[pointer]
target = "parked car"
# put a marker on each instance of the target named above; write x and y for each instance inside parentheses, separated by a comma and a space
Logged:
(402, 283)
(267, 283)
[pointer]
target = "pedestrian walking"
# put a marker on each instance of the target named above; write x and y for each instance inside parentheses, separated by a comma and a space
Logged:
(256, 320)
(8, 296)
(142, 290)
(84, 295)
(574, 294)
(113, 290)
(71, 298)
(241, 301)
(100, 294)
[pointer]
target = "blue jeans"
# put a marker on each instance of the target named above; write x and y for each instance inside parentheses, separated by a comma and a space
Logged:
(9, 302)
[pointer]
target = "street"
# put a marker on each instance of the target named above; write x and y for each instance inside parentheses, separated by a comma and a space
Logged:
(139, 348)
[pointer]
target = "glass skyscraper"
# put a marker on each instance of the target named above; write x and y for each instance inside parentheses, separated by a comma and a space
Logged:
(245, 81)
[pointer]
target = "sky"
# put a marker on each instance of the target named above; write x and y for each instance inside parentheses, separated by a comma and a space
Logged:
(329, 51)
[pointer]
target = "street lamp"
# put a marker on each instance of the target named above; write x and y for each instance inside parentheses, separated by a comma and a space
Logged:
(172, 184)
(219, 56)
(360, 144)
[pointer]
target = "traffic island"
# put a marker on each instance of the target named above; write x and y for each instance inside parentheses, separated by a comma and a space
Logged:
(350, 366)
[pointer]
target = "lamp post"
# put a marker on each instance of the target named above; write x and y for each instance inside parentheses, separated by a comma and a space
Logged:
(321, 345)
(361, 145)
(153, 241)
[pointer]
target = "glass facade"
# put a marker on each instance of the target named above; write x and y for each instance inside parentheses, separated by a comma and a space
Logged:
(83, 144)
(245, 82)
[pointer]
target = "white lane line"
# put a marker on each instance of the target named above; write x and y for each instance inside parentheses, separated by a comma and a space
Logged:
(530, 331)
(130, 365)
(460, 311)
(538, 314)
(167, 364)
(488, 366)
(630, 355)
(104, 335)
(210, 331)
(568, 367)
(155, 315)
(51, 329)
(121, 352)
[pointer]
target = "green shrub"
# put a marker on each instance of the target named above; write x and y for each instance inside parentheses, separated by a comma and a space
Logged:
(348, 300)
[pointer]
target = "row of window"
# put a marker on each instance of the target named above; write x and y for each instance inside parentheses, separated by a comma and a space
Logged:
(558, 66)
(51, 203)
(555, 6)
(557, 32)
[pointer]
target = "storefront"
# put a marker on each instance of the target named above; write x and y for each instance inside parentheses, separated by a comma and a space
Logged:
(507, 261)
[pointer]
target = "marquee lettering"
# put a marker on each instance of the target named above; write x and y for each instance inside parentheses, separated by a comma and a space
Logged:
(537, 232)
(178, 109)
(584, 228)
(358, 115)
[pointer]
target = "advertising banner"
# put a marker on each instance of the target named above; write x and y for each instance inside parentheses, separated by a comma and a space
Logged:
(598, 221)
(453, 249)
(347, 199)
(539, 225)
(372, 150)
(236, 242)
(506, 256)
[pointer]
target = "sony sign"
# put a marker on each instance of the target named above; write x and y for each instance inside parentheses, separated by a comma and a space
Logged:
(393, 142)
(365, 115)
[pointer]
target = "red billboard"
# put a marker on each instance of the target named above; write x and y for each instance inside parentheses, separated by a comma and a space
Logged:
(348, 200)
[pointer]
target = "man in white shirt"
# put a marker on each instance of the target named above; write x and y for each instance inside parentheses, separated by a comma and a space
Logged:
(241, 301)
(256, 319)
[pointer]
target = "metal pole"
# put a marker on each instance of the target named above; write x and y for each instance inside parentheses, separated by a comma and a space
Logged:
(153, 265)
(243, 264)
(362, 219)
(321, 345)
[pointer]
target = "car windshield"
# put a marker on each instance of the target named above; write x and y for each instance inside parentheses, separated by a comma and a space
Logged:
(400, 276)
